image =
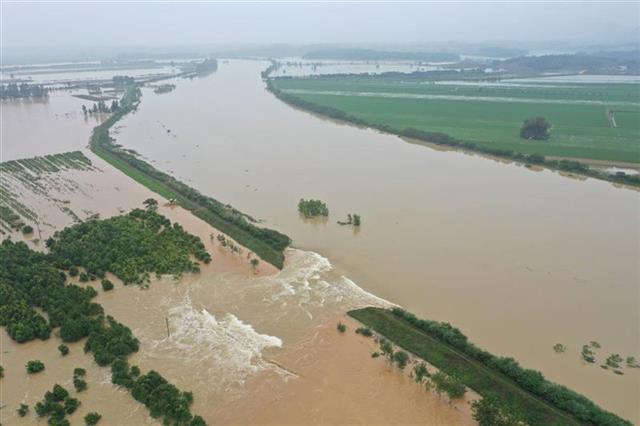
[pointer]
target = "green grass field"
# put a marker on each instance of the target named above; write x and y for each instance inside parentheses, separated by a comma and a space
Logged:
(490, 114)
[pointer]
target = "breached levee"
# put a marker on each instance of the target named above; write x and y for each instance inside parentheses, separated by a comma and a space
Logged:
(225, 349)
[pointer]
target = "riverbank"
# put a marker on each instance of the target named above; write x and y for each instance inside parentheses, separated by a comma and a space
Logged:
(234, 335)
(525, 391)
(561, 165)
(409, 249)
(268, 244)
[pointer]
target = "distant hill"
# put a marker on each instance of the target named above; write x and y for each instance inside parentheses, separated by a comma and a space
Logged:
(381, 55)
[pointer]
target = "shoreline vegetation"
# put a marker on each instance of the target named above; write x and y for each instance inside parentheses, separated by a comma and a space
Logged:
(266, 243)
(36, 299)
(562, 165)
(521, 390)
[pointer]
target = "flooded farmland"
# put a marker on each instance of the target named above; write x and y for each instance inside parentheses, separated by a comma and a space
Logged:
(236, 337)
(434, 223)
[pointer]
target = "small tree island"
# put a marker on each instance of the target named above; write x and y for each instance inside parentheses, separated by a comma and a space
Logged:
(536, 128)
(312, 208)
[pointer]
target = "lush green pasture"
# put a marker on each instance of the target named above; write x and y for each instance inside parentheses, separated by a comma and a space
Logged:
(491, 114)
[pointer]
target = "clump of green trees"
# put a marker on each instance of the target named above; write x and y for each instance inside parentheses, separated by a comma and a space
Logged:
(401, 358)
(63, 349)
(129, 246)
(312, 208)
(352, 219)
(27, 230)
(31, 280)
(559, 348)
(489, 411)
(56, 405)
(162, 398)
(34, 366)
(78, 379)
(365, 331)
(588, 354)
(23, 90)
(92, 418)
(341, 327)
(23, 410)
(107, 285)
(444, 383)
(536, 128)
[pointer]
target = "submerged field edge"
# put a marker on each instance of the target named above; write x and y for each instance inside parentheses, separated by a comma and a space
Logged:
(540, 401)
(436, 138)
(266, 243)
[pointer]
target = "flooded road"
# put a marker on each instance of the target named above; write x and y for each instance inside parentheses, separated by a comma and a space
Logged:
(518, 259)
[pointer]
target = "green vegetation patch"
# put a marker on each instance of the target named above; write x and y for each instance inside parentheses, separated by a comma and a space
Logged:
(266, 243)
(31, 282)
(312, 208)
(129, 246)
(527, 391)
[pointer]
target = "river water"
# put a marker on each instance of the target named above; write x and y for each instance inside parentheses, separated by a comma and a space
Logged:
(518, 259)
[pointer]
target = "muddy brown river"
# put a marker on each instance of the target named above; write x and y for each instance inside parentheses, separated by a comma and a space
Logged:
(518, 259)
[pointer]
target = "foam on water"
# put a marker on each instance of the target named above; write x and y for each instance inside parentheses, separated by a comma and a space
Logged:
(225, 348)
(308, 279)
(228, 350)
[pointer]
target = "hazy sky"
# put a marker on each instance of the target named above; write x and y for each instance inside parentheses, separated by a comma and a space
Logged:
(119, 24)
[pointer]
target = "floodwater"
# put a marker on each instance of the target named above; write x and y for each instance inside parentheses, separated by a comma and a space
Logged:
(56, 124)
(59, 76)
(518, 259)
(255, 347)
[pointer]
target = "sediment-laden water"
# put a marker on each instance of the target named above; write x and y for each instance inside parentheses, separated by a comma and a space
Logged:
(253, 346)
(519, 259)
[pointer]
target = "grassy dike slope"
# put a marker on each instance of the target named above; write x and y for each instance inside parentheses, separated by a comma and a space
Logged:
(268, 244)
(540, 401)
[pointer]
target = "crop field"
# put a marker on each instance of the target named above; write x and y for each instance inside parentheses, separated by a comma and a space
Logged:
(491, 113)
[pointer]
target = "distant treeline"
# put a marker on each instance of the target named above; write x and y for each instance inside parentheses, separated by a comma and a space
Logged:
(526, 391)
(381, 55)
(268, 244)
(474, 74)
(24, 90)
(599, 63)
(446, 140)
(207, 66)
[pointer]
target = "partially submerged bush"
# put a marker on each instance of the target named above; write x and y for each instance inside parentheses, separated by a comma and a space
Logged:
(35, 366)
(312, 208)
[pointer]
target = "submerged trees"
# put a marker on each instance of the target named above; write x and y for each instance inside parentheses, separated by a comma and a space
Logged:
(312, 208)
(130, 246)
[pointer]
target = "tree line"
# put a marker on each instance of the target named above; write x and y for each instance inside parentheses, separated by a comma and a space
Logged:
(532, 381)
(23, 90)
